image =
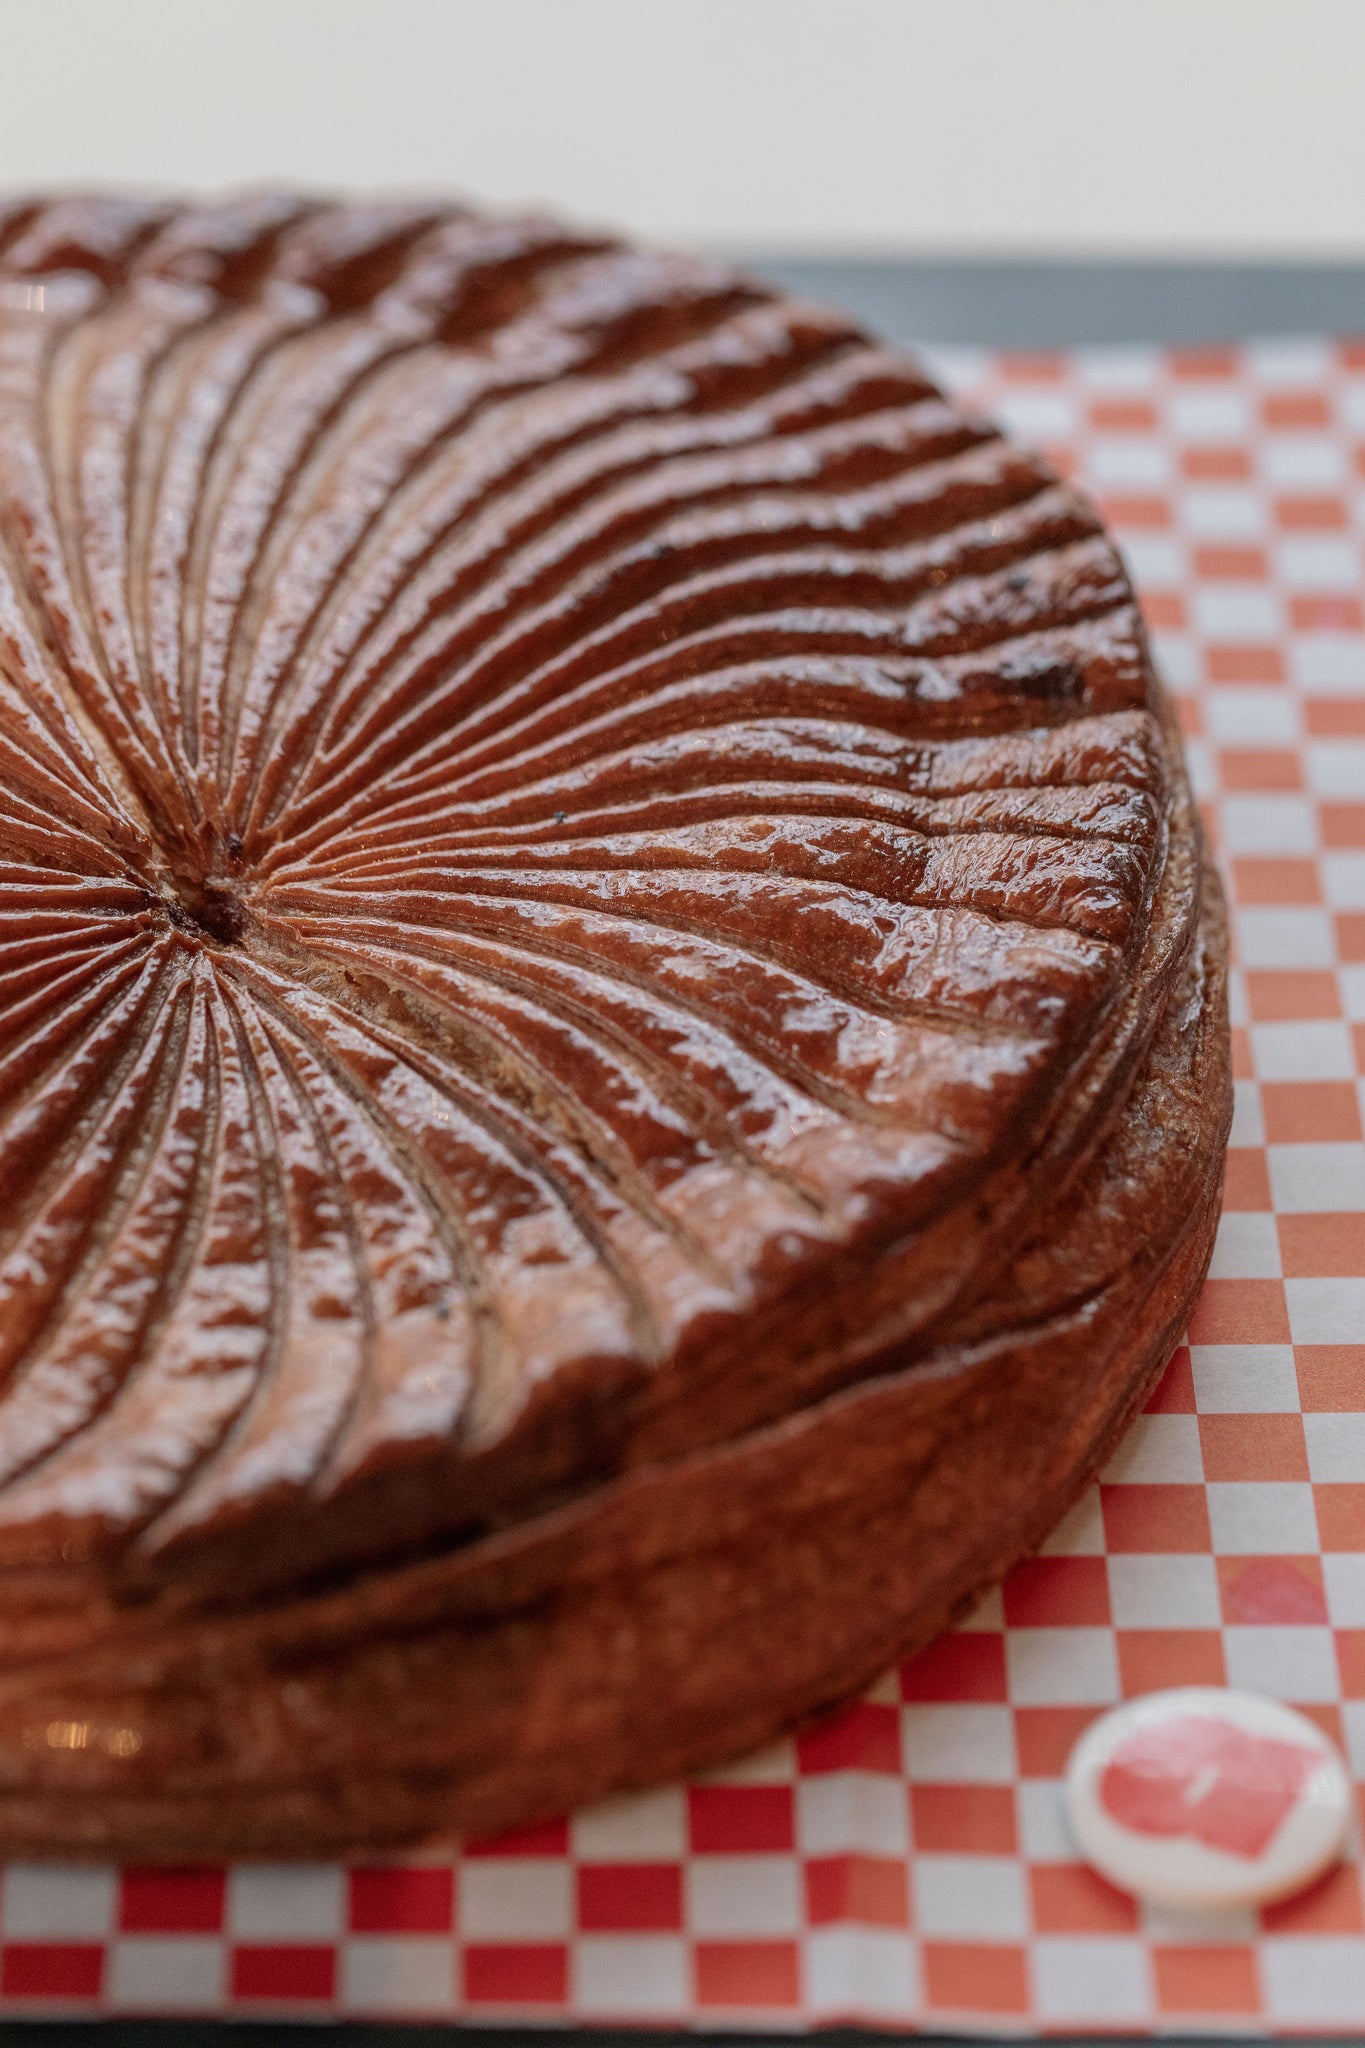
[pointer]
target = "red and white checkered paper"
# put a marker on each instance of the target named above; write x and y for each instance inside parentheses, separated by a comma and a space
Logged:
(908, 1864)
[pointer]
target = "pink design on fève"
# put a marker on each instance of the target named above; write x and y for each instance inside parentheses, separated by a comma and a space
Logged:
(1205, 1778)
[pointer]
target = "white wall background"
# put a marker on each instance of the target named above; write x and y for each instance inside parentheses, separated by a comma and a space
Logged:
(1160, 126)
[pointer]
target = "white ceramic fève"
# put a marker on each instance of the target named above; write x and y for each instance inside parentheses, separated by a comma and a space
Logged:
(1202, 1798)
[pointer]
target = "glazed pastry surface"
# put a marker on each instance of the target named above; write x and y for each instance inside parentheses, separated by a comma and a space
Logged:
(584, 860)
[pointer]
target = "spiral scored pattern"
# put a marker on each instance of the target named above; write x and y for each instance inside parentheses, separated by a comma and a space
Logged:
(560, 814)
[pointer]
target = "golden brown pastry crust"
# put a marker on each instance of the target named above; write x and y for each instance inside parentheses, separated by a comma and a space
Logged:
(612, 1053)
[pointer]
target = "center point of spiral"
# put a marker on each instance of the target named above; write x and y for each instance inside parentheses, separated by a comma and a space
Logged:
(210, 909)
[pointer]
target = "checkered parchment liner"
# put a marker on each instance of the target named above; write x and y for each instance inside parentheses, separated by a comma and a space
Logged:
(908, 1865)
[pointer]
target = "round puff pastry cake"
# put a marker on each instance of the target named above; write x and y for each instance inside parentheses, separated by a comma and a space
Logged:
(613, 1062)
